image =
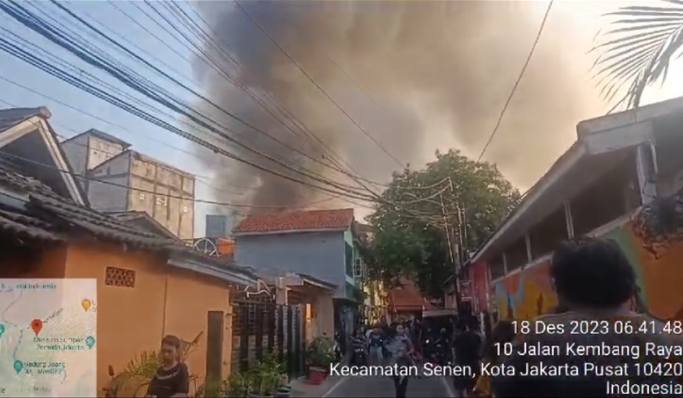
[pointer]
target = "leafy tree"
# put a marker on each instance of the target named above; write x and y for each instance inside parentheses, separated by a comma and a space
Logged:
(638, 49)
(453, 198)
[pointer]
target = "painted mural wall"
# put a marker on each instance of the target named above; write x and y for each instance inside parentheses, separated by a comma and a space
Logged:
(529, 293)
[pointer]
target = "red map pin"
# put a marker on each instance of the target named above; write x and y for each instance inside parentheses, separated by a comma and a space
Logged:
(36, 325)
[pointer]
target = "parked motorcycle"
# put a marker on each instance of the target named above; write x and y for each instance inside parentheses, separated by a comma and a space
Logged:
(360, 356)
(439, 352)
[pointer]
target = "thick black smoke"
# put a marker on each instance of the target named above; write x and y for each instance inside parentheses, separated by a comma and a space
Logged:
(439, 70)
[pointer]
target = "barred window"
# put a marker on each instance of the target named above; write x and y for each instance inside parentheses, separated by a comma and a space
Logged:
(119, 277)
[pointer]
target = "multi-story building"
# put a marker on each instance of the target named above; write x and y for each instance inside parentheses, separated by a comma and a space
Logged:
(120, 179)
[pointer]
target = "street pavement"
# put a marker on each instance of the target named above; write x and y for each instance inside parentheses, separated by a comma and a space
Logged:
(383, 387)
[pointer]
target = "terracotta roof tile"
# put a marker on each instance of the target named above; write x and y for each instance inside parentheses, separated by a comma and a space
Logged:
(296, 221)
(407, 298)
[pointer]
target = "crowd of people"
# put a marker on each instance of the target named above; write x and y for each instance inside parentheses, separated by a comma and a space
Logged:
(595, 284)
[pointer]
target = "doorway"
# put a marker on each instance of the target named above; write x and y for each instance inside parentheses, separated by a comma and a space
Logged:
(214, 346)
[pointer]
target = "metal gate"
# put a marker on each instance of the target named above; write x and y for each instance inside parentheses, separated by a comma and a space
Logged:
(261, 327)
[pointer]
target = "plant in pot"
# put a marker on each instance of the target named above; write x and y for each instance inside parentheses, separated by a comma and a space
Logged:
(266, 379)
(212, 389)
(319, 356)
(238, 385)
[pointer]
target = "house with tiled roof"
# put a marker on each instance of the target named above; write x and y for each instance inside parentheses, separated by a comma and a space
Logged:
(319, 243)
(143, 275)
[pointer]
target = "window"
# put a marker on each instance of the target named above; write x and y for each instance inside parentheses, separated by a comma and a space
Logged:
(349, 260)
(142, 196)
(186, 209)
(358, 268)
(162, 200)
(119, 277)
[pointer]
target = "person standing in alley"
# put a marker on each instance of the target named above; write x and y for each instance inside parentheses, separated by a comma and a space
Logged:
(502, 333)
(595, 283)
(401, 350)
(172, 379)
(467, 345)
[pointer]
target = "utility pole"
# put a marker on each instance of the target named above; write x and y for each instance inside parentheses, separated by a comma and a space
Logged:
(457, 261)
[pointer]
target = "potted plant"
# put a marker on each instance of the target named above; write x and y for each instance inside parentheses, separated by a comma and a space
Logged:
(319, 356)
(266, 379)
(237, 385)
(213, 390)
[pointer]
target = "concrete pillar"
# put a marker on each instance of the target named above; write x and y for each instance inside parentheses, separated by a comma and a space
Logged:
(280, 292)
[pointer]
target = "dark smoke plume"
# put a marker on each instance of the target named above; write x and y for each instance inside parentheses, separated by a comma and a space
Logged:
(440, 72)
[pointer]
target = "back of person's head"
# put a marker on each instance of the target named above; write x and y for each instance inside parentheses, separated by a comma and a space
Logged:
(592, 273)
(473, 323)
(461, 325)
(503, 332)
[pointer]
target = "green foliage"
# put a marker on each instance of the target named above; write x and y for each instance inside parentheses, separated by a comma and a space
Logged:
(637, 50)
(320, 352)
(263, 378)
(215, 390)
(410, 223)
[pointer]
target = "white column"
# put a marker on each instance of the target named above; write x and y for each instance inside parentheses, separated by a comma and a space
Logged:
(568, 219)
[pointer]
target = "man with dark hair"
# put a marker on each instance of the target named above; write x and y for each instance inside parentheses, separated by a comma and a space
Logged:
(595, 283)
(467, 345)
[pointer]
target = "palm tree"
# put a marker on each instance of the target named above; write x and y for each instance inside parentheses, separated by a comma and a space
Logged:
(638, 49)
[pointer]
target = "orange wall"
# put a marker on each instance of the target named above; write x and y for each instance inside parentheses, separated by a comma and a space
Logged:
(190, 297)
(50, 264)
(163, 301)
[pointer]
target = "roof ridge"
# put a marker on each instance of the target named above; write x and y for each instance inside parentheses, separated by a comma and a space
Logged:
(311, 220)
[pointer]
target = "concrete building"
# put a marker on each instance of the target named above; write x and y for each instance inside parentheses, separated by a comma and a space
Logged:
(122, 180)
(619, 168)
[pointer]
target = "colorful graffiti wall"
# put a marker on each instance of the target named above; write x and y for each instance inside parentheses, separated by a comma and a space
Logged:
(529, 293)
(526, 294)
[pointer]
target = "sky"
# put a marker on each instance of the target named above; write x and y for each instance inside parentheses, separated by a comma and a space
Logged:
(74, 111)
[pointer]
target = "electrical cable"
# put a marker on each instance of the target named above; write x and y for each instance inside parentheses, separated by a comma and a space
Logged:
(40, 29)
(147, 191)
(519, 79)
(191, 115)
(265, 32)
(363, 198)
(184, 19)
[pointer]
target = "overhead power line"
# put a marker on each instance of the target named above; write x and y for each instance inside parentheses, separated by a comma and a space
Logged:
(312, 80)
(141, 85)
(183, 19)
(194, 200)
(519, 79)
